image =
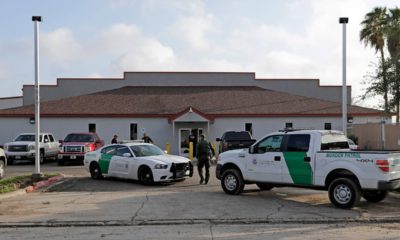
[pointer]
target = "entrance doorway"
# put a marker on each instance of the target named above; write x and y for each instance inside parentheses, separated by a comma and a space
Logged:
(187, 135)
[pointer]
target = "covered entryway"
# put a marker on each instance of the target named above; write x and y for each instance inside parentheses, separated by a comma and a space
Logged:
(187, 127)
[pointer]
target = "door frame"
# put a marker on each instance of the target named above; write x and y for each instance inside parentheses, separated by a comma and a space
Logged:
(180, 138)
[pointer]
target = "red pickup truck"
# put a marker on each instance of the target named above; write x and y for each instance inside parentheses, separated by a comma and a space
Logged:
(75, 145)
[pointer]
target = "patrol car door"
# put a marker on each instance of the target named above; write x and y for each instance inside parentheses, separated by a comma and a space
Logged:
(120, 161)
(106, 160)
(265, 160)
(298, 159)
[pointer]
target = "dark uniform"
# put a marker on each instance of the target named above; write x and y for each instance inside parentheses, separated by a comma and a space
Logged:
(147, 139)
(204, 150)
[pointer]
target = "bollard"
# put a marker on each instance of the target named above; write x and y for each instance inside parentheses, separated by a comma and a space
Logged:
(191, 151)
(168, 148)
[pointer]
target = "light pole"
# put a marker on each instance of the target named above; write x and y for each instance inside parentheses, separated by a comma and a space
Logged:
(37, 174)
(344, 21)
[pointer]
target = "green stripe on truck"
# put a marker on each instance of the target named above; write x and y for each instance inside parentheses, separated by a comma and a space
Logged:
(300, 171)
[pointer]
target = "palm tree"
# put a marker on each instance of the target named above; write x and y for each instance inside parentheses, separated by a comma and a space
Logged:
(393, 39)
(373, 33)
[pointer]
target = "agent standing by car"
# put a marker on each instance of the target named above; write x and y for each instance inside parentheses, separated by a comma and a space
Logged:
(114, 140)
(147, 139)
(203, 152)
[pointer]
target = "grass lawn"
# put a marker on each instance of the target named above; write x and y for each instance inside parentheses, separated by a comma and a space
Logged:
(11, 184)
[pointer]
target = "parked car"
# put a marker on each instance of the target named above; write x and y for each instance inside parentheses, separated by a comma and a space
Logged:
(3, 163)
(235, 140)
(23, 147)
(144, 162)
(75, 145)
(352, 145)
(316, 159)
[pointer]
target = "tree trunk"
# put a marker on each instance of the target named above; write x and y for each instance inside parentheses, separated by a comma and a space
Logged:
(385, 84)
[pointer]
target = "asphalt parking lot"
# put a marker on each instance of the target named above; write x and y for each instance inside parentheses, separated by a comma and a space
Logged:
(79, 200)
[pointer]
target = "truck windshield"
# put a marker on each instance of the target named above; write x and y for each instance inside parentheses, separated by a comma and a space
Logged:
(79, 138)
(146, 150)
(334, 142)
(27, 138)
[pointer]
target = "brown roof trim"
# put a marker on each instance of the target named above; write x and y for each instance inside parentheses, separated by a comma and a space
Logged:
(171, 116)
(175, 116)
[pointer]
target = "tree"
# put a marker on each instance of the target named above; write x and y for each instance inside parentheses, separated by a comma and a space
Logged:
(393, 38)
(373, 34)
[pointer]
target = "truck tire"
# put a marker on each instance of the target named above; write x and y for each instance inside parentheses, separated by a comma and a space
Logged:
(344, 193)
(264, 186)
(375, 195)
(2, 168)
(232, 182)
(95, 171)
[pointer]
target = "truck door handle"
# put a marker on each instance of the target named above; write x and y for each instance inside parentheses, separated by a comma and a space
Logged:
(307, 159)
(277, 158)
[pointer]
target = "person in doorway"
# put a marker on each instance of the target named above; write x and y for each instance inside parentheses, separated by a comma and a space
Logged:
(203, 152)
(146, 138)
(114, 140)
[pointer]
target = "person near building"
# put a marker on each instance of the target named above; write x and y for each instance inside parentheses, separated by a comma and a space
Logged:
(146, 138)
(204, 151)
(114, 140)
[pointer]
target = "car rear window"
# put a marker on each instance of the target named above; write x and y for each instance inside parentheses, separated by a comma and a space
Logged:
(237, 136)
(334, 142)
(298, 143)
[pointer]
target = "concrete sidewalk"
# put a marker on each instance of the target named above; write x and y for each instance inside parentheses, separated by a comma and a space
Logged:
(85, 202)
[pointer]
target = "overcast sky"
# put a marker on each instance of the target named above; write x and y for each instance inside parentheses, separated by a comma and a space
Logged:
(103, 38)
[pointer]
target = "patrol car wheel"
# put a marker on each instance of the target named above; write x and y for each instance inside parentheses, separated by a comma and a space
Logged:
(344, 193)
(2, 169)
(95, 171)
(375, 196)
(146, 176)
(232, 182)
(264, 186)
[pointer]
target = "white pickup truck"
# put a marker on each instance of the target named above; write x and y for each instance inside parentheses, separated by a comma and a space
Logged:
(317, 159)
(23, 147)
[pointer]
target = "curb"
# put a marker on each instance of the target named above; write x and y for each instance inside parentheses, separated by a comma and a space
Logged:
(12, 194)
(168, 222)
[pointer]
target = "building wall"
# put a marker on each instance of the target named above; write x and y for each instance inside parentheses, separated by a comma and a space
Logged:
(11, 102)
(159, 129)
(74, 87)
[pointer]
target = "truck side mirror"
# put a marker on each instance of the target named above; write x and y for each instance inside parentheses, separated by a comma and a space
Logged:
(218, 139)
(251, 149)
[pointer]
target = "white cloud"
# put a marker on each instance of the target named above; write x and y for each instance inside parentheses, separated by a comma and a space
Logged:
(130, 49)
(60, 46)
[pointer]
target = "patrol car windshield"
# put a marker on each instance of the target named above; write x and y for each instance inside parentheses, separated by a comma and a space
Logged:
(27, 138)
(146, 150)
(79, 138)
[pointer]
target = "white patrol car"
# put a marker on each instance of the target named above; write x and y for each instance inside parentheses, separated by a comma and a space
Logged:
(316, 159)
(139, 161)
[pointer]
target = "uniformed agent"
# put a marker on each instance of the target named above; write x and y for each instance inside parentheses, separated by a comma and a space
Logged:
(203, 152)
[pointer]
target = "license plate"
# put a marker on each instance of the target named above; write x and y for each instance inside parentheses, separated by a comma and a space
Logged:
(17, 157)
(72, 157)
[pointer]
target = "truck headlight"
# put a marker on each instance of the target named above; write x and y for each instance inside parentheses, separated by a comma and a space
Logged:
(161, 166)
(31, 147)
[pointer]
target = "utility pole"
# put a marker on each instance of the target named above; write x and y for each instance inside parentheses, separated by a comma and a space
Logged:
(344, 21)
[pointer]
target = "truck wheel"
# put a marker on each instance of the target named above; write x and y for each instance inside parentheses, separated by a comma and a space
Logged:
(264, 186)
(95, 171)
(2, 169)
(232, 182)
(344, 193)
(375, 195)
(146, 176)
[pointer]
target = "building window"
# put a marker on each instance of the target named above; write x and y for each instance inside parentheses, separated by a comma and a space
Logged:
(92, 127)
(288, 125)
(328, 126)
(133, 131)
(248, 127)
